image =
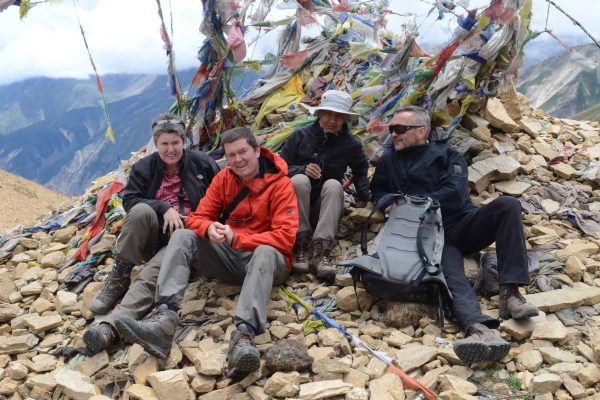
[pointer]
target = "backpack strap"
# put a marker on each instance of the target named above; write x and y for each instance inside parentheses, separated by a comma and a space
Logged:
(426, 217)
(234, 203)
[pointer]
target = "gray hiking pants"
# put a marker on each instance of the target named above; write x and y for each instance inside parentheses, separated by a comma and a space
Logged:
(257, 271)
(139, 235)
(139, 299)
(329, 207)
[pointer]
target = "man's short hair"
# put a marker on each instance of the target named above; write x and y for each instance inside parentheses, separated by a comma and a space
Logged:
(167, 123)
(231, 135)
(420, 116)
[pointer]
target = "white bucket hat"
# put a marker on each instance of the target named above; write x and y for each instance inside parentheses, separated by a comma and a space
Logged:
(336, 101)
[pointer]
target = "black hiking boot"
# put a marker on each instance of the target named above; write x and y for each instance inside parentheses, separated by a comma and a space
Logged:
(100, 337)
(323, 260)
(114, 288)
(481, 344)
(243, 357)
(513, 304)
(301, 254)
(154, 333)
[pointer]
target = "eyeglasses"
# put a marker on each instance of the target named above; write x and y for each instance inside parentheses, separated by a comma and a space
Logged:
(400, 129)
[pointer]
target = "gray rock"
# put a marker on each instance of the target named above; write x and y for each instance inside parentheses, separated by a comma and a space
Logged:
(287, 355)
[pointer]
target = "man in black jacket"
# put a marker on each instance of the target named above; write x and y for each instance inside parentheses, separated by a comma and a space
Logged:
(162, 189)
(417, 167)
(318, 156)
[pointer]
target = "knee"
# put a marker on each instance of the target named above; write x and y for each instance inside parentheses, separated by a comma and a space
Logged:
(508, 204)
(301, 183)
(332, 187)
(140, 212)
(267, 257)
(182, 237)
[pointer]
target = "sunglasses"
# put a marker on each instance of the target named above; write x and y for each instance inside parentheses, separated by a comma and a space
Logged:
(400, 129)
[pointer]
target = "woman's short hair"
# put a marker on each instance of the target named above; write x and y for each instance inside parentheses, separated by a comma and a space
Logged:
(167, 123)
(231, 135)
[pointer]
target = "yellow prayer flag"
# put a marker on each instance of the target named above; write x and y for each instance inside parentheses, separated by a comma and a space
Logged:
(110, 134)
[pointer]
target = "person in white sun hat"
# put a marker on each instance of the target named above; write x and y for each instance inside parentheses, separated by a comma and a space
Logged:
(318, 156)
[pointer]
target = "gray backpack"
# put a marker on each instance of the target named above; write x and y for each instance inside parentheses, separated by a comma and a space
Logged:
(408, 251)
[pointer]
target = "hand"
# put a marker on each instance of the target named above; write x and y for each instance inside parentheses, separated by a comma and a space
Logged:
(312, 170)
(219, 233)
(172, 221)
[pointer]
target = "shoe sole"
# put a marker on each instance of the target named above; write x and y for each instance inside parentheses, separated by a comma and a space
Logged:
(530, 313)
(477, 351)
(93, 341)
(245, 365)
(131, 337)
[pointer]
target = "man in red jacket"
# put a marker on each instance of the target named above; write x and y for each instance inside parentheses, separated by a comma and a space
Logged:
(249, 242)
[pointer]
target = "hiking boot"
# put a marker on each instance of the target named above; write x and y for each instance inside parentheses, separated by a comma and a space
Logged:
(242, 356)
(114, 288)
(154, 333)
(481, 343)
(513, 304)
(323, 261)
(301, 254)
(100, 337)
(486, 283)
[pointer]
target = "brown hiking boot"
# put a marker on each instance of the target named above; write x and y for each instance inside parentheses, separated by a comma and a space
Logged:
(242, 356)
(155, 332)
(114, 288)
(481, 343)
(301, 254)
(513, 304)
(100, 337)
(323, 260)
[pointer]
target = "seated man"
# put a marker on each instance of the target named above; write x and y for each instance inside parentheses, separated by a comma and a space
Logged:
(249, 243)
(417, 167)
(318, 157)
(162, 189)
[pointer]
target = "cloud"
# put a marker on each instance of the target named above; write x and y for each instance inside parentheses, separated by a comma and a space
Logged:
(124, 35)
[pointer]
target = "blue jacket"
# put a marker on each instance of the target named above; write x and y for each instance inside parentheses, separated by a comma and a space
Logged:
(433, 169)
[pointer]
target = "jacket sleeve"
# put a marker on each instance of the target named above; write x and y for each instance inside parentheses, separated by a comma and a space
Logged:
(290, 154)
(380, 183)
(284, 222)
(210, 207)
(453, 181)
(137, 188)
(360, 167)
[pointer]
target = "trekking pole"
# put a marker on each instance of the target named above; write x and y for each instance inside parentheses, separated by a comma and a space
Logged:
(407, 381)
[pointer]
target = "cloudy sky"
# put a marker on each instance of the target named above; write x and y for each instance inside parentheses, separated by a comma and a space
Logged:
(124, 34)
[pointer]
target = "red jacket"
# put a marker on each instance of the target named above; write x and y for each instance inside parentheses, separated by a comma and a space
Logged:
(268, 215)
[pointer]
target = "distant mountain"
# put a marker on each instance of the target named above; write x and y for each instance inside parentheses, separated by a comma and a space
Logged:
(52, 130)
(564, 85)
(591, 114)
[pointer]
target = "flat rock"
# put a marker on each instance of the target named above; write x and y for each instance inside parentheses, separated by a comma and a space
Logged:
(75, 385)
(141, 392)
(104, 245)
(9, 311)
(335, 365)
(171, 384)
(553, 355)
(589, 375)
(346, 299)
(512, 187)
(224, 393)
(93, 364)
(544, 383)
(282, 384)
(451, 382)
(44, 381)
(64, 235)
(323, 389)
(389, 386)
(521, 329)
(53, 260)
(90, 291)
(193, 307)
(564, 170)
(454, 395)
(574, 388)
(565, 298)
(66, 302)
(551, 329)
(414, 357)
(43, 363)
(496, 115)
(529, 360)
(17, 344)
(498, 168)
(40, 324)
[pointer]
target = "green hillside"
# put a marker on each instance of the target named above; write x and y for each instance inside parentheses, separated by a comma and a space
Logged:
(591, 114)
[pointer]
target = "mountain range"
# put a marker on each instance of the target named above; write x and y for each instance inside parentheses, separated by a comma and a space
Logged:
(52, 130)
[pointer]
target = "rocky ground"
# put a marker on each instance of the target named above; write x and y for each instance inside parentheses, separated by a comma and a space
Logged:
(550, 164)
